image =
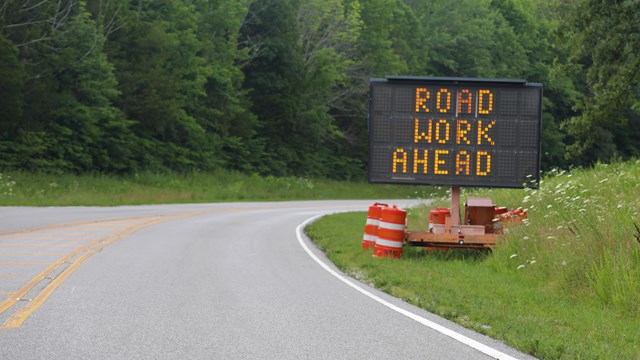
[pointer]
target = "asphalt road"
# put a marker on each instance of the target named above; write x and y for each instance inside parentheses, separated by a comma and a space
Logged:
(206, 281)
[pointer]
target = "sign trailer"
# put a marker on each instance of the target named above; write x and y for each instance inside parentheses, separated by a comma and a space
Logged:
(455, 132)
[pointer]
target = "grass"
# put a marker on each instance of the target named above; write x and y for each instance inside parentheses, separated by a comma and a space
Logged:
(21, 188)
(564, 285)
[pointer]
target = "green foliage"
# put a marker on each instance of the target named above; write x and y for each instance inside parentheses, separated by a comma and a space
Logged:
(12, 78)
(605, 38)
(43, 189)
(376, 42)
(85, 116)
(159, 70)
(63, 117)
(223, 110)
(297, 74)
(281, 87)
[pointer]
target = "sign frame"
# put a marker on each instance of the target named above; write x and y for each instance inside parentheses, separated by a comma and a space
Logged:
(525, 93)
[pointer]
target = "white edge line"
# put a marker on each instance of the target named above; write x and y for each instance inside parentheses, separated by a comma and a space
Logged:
(428, 323)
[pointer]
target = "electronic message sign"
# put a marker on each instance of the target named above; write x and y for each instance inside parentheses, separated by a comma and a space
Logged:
(455, 131)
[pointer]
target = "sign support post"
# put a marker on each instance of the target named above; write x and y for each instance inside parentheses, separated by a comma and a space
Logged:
(455, 205)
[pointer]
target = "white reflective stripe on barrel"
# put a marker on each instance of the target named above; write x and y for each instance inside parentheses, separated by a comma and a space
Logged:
(368, 237)
(387, 243)
(372, 221)
(390, 226)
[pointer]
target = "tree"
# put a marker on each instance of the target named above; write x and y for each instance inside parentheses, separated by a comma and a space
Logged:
(90, 133)
(605, 36)
(223, 110)
(534, 28)
(272, 78)
(70, 123)
(29, 29)
(12, 79)
(296, 78)
(161, 76)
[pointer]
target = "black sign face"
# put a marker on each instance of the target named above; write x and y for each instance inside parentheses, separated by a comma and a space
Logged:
(455, 132)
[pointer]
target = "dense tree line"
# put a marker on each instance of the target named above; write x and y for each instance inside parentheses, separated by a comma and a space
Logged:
(280, 87)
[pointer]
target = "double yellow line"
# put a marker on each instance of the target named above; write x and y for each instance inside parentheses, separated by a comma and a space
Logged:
(75, 258)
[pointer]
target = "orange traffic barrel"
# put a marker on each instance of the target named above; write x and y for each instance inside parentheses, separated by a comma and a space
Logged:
(371, 226)
(518, 215)
(433, 218)
(390, 232)
(501, 210)
(514, 216)
(442, 213)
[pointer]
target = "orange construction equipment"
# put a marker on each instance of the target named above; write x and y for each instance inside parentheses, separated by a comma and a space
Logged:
(433, 218)
(501, 210)
(371, 227)
(391, 232)
(477, 230)
(442, 214)
(514, 216)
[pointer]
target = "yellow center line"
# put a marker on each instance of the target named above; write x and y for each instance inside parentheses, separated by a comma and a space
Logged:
(21, 315)
(27, 287)
(83, 223)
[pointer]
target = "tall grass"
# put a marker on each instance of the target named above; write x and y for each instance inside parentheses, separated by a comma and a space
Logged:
(21, 188)
(565, 284)
(582, 232)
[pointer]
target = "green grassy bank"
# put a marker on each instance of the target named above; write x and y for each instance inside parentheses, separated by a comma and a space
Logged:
(564, 285)
(20, 188)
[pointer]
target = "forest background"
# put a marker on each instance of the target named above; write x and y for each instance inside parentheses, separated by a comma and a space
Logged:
(280, 87)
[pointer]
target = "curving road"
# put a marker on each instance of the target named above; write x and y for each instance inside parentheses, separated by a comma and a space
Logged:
(207, 281)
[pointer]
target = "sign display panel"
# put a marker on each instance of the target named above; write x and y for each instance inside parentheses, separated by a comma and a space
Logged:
(455, 132)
